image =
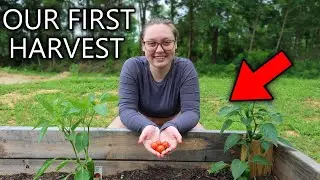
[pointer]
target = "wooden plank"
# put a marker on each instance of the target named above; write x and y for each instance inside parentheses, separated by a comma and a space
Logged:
(292, 164)
(110, 167)
(112, 144)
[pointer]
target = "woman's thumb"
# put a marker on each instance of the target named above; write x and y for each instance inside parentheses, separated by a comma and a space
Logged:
(178, 137)
(142, 137)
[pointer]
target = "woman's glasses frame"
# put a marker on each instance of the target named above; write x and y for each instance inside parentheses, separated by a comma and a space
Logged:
(168, 47)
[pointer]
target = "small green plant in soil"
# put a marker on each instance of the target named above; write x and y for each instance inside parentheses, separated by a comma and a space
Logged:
(260, 120)
(73, 118)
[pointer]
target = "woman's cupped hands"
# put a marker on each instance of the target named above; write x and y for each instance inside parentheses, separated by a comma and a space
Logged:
(160, 143)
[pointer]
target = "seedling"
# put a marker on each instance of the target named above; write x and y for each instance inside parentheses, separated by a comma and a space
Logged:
(70, 116)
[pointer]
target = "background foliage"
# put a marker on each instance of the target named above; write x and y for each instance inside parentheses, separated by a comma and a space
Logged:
(215, 34)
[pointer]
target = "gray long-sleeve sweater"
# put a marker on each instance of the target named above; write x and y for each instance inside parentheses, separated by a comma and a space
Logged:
(141, 96)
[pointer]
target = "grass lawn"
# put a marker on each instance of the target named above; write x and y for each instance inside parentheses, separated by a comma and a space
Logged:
(297, 100)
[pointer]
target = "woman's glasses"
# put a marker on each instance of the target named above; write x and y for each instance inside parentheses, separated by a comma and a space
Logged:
(166, 45)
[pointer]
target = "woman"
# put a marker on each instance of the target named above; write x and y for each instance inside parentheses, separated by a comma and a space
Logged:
(159, 93)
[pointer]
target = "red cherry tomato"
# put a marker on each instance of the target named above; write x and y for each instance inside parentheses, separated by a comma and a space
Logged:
(160, 148)
(158, 142)
(154, 145)
(165, 144)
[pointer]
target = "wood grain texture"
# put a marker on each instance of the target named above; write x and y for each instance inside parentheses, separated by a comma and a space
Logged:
(117, 150)
(257, 169)
(290, 164)
(109, 167)
(112, 144)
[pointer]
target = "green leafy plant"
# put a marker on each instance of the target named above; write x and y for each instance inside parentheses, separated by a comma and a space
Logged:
(72, 118)
(260, 120)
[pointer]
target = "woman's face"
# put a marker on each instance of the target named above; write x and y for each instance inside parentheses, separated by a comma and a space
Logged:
(159, 45)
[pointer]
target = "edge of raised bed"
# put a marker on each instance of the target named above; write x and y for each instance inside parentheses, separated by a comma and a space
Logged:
(117, 150)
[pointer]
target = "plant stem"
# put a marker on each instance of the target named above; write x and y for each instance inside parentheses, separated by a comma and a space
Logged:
(255, 123)
(75, 152)
(87, 151)
(66, 134)
(68, 175)
(83, 120)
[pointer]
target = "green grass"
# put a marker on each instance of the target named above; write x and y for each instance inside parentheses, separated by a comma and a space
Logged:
(25, 71)
(298, 100)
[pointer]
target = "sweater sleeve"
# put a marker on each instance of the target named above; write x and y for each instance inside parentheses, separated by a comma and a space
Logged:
(129, 98)
(190, 101)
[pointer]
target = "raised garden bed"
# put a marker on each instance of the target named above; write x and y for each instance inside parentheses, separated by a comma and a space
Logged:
(116, 150)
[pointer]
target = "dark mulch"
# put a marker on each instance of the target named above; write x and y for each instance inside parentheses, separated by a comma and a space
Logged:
(151, 173)
(24, 176)
(168, 173)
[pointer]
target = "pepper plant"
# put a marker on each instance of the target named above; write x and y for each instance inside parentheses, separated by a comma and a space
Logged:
(73, 118)
(260, 120)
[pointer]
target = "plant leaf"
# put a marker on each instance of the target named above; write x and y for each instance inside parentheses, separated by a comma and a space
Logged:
(90, 166)
(91, 97)
(79, 104)
(40, 122)
(262, 111)
(268, 104)
(82, 141)
(101, 109)
(43, 131)
(265, 145)
(43, 168)
(246, 121)
(228, 110)
(276, 118)
(232, 140)
(216, 167)
(103, 97)
(242, 141)
(270, 132)
(73, 111)
(46, 105)
(284, 141)
(242, 178)
(237, 168)
(71, 137)
(62, 164)
(260, 160)
(226, 125)
(259, 117)
(75, 125)
(83, 174)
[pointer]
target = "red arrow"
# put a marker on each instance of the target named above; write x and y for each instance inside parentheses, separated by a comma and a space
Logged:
(250, 86)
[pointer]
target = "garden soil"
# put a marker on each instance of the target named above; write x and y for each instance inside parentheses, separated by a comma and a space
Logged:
(151, 173)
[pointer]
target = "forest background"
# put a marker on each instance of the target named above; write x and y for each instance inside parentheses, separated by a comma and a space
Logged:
(215, 34)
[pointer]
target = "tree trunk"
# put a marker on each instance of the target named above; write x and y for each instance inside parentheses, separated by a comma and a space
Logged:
(143, 10)
(281, 31)
(172, 8)
(254, 31)
(190, 15)
(142, 13)
(297, 46)
(214, 45)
